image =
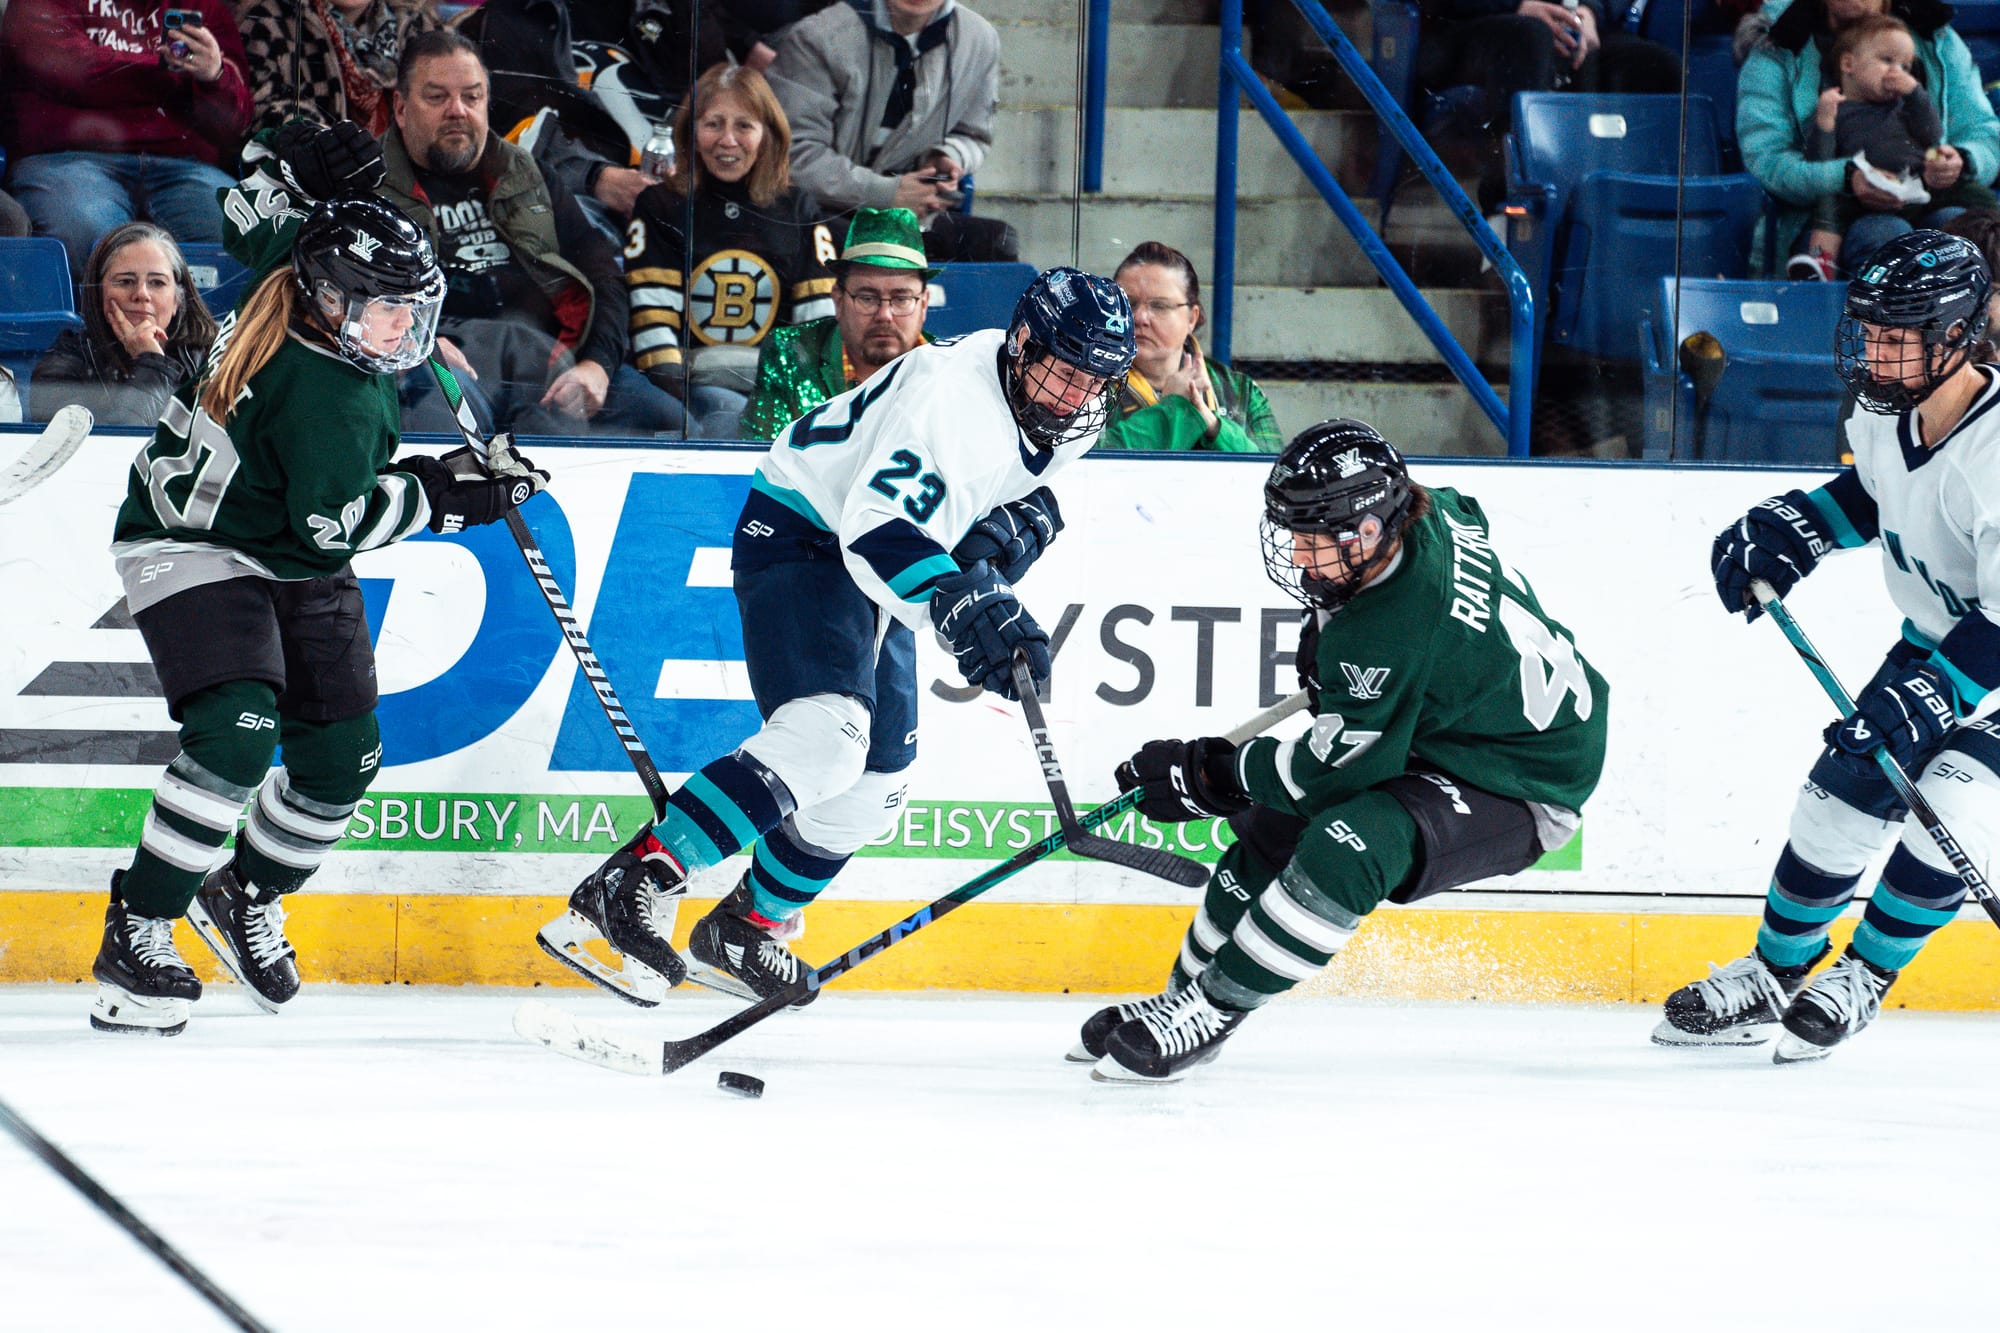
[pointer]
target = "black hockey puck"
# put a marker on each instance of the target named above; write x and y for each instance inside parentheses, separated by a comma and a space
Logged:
(741, 1084)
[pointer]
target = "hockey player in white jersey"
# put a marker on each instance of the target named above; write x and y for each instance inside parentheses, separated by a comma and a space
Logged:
(1925, 486)
(915, 500)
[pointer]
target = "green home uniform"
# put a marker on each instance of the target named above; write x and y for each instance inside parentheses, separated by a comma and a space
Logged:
(1443, 687)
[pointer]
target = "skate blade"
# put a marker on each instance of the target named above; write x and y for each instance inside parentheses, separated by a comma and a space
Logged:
(1792, 1050)
(211, 935)
(563, 940)
(715, 979)
(1108, 1070)
(1079, 1054)
(1754, 1034)
(119, 1011)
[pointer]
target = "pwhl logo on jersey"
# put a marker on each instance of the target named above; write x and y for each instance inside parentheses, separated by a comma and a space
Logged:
(1364, 682)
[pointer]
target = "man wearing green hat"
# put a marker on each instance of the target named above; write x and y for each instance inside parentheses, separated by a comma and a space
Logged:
(880, 297)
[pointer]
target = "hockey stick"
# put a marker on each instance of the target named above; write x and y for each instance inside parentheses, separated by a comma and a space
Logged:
(1975, 883)
(58, 443)
(60, 1162)
(579, 1039)
(552, 593)
(1147, 860)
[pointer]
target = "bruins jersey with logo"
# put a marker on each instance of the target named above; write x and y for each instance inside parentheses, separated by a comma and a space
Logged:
(753, 268)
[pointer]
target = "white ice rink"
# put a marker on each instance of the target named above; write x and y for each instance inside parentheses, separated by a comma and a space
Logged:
(394, 1158)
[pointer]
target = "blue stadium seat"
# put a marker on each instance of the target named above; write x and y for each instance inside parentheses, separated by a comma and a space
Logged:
(1777, 399)
(36, 301)
(967, 297)
(217, 275)
(1394, 28)
(1597, 210)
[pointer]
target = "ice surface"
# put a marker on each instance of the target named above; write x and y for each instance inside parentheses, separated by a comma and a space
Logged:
(394, 1158)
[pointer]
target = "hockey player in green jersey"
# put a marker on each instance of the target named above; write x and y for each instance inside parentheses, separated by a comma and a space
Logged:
(267, 473)
(1456, 734)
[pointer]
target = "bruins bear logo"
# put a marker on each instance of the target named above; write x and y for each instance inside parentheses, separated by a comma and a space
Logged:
(733, 298)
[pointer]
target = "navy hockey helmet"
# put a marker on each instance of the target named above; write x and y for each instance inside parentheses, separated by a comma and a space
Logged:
(361, 264)
(1069, 328)
(1335, 501)
(1925, 281)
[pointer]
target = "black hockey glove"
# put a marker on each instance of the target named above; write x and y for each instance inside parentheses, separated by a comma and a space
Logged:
(1909, 715)
(985, 624)
(1013, 536)
(1185, 780)
(463, 494)
(1779, 541)
(327, 161)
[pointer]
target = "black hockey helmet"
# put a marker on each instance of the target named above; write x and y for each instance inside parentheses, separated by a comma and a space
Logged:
(362, 252)
(1342, 481)
(1082, 321)
(1924, 280)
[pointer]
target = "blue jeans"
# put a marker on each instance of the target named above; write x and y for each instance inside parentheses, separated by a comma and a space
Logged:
(1868, 234)
(715, 413)
(78, 197)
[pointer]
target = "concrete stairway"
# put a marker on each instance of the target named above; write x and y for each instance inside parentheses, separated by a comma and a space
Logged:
(1306, 297)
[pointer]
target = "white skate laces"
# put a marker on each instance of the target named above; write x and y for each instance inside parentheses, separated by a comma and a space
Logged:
(1739, 986)
(657, 908)
(151, 939)
(264, 932)
(774, 958)
(1184, 1022)
(1849, 993)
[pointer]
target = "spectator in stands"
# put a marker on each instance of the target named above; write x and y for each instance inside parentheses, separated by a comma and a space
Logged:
(1981, 226)
(1532, 46)
(881, 295)
(1174, 396)
(145, 333)
(1879, 120)
(892, 106)
(109, 116)
(536, 297)
(757, 251)
(1778, 95)
(327, 60)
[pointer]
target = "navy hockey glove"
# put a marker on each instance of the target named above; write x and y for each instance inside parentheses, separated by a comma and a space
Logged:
(327, 161)
(1185, 780)
(1908, 715)
(1013, 536)
(1779, 541)
(463, 494)
(985, 624)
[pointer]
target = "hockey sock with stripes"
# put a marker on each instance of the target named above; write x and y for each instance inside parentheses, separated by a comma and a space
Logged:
(228, 733)
(717, 812)
(1799, 908)
(302, 808)
(1239, 876)
(1908, 905)
(1290, 932)
(787, 873)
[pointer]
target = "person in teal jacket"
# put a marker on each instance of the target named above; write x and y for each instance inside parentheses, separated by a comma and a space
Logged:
(1777, 93)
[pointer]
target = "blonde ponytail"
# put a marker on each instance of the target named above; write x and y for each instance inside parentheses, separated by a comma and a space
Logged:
(260, 329)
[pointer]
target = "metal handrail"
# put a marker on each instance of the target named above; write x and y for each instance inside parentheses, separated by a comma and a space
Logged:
(1097, 55)
(1511, 418)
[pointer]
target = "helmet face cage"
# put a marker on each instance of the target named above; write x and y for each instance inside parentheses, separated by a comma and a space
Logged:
(359, 262)
(1925, 281)
(1082, 321)
(1342, 481)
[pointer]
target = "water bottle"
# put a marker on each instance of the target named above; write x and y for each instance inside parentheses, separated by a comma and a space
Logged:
(656, 159)
(1566, 74)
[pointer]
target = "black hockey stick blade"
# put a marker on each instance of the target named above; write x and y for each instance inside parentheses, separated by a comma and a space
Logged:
(1906, 789)
(1146, 860)
(109, 1204)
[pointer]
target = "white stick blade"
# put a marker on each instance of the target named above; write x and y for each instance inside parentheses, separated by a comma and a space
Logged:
(59, 441)
(566, 1034)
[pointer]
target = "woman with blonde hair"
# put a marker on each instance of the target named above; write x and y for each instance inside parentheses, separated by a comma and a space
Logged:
(264, 478)
(729, 231)
(145, 332)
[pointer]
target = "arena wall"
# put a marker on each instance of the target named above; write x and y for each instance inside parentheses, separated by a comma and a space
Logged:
(502, 783)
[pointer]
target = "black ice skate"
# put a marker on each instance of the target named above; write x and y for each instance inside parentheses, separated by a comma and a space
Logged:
(142, 984)
(1737, 1005)
(630, 903)
(246, 929)
(1161, 1045)
(1089, 1048)
(1841, 1001)
(736, 951)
